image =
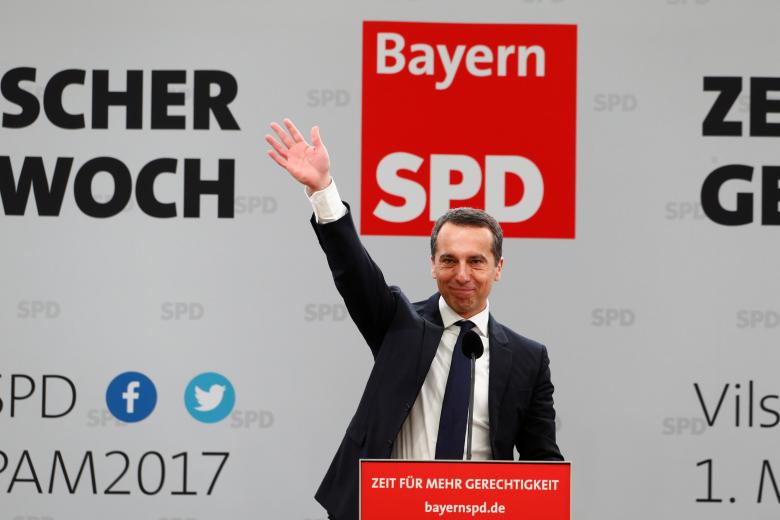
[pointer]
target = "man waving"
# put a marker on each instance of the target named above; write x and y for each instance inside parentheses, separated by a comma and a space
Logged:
(415, 402)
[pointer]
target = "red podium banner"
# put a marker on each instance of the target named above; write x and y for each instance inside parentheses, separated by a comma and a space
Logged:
(500, 490)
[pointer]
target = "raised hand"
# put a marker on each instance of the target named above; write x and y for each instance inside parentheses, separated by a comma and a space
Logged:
(309, 165)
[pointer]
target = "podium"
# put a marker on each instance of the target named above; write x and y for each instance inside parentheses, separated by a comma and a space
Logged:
(499, 490)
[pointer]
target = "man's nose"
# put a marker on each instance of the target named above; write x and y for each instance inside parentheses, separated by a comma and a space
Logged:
(464, 272)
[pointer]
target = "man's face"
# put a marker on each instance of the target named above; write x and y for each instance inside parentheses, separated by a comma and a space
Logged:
(464, 267)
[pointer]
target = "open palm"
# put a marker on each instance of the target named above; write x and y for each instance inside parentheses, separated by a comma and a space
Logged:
(308, 164)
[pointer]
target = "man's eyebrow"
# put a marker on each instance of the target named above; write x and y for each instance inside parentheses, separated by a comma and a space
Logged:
(472, 257)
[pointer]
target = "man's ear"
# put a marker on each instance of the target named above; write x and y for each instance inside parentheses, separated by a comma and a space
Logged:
(433, 268)
(498, 269)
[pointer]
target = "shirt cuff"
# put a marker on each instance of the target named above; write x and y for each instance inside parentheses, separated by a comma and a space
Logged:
(326, 203)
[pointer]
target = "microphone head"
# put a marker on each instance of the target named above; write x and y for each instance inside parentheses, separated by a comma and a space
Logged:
(472, 345)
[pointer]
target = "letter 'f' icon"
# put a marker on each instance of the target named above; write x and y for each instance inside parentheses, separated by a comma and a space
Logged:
(131, 397)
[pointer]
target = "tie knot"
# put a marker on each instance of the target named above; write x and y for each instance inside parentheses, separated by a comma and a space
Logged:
(465, 325)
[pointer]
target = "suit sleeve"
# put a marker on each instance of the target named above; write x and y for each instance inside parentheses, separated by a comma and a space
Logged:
(536, 436)
(369, 300)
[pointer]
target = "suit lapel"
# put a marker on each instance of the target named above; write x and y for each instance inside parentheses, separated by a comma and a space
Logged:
(434, 328)
(499, 370)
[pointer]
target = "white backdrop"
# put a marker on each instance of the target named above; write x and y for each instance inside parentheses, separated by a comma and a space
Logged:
(695, 302)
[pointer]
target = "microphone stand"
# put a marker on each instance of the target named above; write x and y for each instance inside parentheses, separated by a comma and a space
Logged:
(472, 348)
(473, 362)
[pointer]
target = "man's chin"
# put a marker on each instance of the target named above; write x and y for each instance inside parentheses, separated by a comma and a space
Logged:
(463, 306)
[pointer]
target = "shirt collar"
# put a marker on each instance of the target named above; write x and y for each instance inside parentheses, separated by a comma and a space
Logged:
(449, 317)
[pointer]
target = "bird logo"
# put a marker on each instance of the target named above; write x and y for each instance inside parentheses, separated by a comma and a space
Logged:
(207, 401)
(209, 397)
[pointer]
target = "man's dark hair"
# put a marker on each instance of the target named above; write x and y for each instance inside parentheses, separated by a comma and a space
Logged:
(470, 217)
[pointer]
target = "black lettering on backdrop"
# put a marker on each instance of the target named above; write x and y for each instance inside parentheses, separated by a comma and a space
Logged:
(218, 104)
(743, 210)
(766, 477)
(57, 460)
(770, 195)
(144, 189)
(45, 385)
(48, 199)
(16, 397)
(765, 408)
(131, 98)
(14, 93)
(213, 92)
(82, 187)
(744, 416)
(710, 418)
(151, 470)
(710, 201)
(23, 388)
(52, 99)
(766, 470)
(761, 106)
(110, 489)
(33, 479)
(162, 98)
(223, 188)
(715, 122)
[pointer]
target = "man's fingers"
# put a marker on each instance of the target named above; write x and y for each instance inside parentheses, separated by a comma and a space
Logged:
(315, 136)
(281, 161)
(296, 135)
(281, 150)
(282, 135)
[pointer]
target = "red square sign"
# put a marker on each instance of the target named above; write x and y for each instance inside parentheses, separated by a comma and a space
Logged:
(480, 115)
(496, 490)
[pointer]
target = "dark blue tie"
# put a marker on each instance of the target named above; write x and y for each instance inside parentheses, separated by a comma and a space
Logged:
(454, 408)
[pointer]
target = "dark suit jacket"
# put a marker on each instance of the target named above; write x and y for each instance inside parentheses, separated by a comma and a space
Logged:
(403, 338)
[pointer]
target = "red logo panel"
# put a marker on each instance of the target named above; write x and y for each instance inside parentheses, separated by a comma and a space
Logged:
(426, 490)
(480, 115)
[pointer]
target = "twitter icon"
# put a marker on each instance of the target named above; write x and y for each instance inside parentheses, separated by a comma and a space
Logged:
(209, 397)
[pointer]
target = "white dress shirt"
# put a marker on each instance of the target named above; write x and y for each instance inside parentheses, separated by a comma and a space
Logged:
(417, 438)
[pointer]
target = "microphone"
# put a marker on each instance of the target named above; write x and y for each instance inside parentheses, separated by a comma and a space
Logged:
(473, 349)
(472, 345)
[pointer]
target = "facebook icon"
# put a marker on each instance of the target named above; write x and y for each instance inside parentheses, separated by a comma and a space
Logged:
(131, 397)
